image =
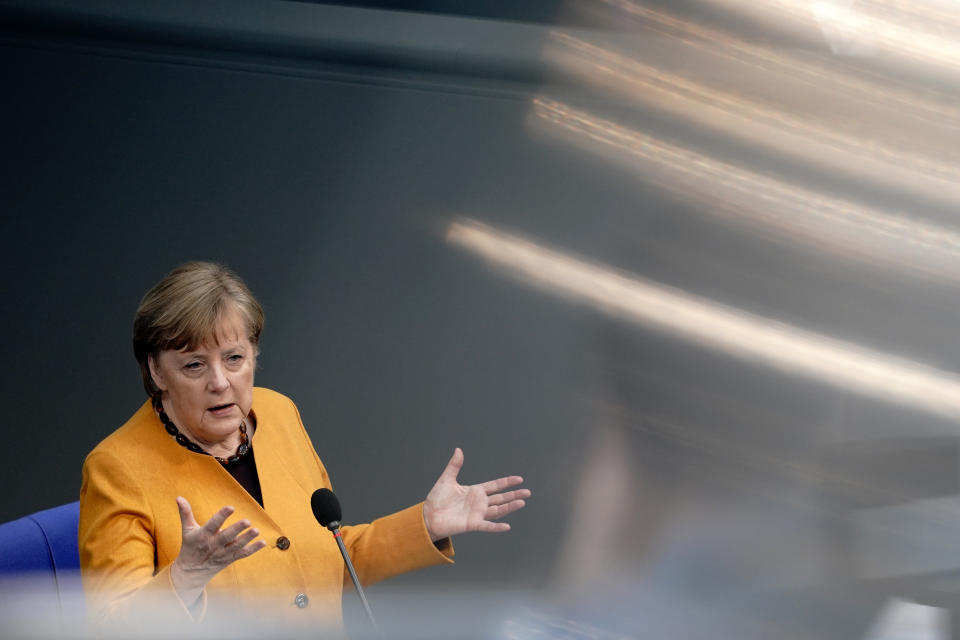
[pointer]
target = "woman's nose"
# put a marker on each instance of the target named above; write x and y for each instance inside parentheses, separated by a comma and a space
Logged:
(218, 379)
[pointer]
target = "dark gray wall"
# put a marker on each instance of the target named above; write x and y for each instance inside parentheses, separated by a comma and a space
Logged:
(329, 193)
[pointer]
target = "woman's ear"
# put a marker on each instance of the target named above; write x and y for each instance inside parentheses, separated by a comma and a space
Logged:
(155, 373)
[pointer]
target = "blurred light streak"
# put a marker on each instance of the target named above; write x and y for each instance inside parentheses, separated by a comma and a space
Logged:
(910, 103)
(714, 325)
(759, 124)
(905, 620)
(531, 625)
(940, 16)
(845, 228)
(908, 39)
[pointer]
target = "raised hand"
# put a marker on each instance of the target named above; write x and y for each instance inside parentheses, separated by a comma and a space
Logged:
(206, 550)
(453, 508)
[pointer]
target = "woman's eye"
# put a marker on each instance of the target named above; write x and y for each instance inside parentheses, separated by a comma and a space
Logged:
(192, 366)
(235, 358)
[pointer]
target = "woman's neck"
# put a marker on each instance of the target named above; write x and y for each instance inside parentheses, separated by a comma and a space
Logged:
(224, 448)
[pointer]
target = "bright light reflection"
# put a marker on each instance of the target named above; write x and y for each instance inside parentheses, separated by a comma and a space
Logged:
(845, 228)
(907, 35)
(778, 62)
(759, 124)
(714, 325)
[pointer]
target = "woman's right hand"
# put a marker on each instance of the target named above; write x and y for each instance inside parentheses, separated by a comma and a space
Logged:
(206, 550)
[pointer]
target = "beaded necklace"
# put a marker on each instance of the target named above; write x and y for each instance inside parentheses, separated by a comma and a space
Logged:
(182, 440)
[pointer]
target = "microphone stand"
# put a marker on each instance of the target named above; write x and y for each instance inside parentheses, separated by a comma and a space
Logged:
(335, 529)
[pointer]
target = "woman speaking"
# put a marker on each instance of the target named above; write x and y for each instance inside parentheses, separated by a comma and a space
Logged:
(199, 505)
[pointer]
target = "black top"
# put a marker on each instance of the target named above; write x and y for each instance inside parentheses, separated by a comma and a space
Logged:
(244, 471)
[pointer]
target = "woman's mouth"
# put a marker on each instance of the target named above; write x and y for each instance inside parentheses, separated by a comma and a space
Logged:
(221, 409)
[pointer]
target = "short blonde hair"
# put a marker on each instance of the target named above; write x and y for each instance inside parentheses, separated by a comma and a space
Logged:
(183, 310)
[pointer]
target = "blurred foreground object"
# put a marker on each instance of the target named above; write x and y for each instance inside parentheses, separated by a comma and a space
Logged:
(39, 557)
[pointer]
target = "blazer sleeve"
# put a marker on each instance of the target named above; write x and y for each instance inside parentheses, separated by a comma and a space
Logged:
(118, 557)
(390, 545)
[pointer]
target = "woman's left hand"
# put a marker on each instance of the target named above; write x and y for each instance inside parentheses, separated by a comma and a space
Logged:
(453, 508)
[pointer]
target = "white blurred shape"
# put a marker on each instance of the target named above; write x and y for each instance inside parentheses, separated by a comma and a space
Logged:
(830, 224)
(823, 144)
(919, 34)
(902, 620)
(817, 75)
(841, 41)
(714, 325)
(587, 556)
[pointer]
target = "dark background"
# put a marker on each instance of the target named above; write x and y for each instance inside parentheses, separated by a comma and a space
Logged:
(327, 185)
(322, 151)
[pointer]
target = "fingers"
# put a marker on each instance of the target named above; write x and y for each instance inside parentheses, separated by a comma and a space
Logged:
(247, 537)
(493, 486)
(250, 549)
(508, 496)
(187, 521)
(453, 467)
(238, 535)
(243, 546)
(226, 536)
(499, 511)
(216, 521)
(493, 527)
(237, 541)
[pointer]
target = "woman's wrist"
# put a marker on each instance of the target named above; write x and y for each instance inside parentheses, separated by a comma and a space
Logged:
(427, 517)
(188, 584)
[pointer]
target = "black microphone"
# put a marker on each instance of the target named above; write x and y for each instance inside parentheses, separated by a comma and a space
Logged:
(326, 509)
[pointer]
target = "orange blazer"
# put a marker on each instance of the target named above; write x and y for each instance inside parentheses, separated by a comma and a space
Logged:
(130, 529)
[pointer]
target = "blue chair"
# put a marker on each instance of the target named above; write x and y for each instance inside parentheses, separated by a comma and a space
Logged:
(40, 565)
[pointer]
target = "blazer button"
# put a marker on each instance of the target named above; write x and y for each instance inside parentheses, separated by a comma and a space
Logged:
(283, 543)
(301, 600)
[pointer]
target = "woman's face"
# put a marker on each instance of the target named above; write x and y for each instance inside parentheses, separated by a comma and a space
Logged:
(208, 390)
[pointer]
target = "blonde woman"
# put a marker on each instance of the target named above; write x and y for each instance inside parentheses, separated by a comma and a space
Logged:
(200, 503)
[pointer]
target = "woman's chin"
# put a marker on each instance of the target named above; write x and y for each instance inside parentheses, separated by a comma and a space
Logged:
(217, 427)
